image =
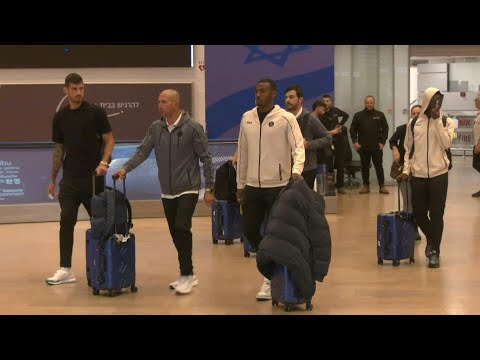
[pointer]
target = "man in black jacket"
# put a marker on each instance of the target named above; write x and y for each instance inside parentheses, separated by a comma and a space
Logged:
(369, 132)
(336, 127)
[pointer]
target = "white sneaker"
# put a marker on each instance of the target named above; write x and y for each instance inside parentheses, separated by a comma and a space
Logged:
(174, 284)
(62, 276)
(185, 284)
(265, 291)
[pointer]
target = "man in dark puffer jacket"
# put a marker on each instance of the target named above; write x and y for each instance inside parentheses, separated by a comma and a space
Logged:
(297, 236)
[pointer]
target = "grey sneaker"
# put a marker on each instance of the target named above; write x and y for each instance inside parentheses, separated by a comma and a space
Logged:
(434, 260)
(428, 251)
(185, 284)
(62, 276)
(174, 284)
(265, 292)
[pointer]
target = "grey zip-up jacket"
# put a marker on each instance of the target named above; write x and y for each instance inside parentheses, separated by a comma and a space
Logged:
(317, 137)
(177, 154)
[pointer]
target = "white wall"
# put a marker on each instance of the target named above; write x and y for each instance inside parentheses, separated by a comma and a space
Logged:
(401, 76)
(465, 72)
(413, 85)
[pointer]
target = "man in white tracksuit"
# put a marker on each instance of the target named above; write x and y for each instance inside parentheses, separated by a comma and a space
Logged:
(427, 161)
(268, 140)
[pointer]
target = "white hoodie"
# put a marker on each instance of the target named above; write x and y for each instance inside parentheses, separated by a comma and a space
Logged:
(265, 151)
(431, 140)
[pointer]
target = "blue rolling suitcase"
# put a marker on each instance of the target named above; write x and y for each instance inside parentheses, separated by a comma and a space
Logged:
(395, 236)
(110, 263)
(110, 259)
(283, 290)
(226, 221)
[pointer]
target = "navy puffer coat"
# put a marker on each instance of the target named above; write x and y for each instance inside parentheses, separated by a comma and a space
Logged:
(297, 236)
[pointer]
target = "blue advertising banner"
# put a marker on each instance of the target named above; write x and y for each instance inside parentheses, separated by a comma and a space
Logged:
(233, 70)
(25, 173)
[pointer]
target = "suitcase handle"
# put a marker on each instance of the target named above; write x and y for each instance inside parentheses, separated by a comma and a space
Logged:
(115, 178)
(94, 175)
(219, 218)
(388, 240)
(399, 209)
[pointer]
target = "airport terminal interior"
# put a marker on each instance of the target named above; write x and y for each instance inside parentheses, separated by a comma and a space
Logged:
(228, 280)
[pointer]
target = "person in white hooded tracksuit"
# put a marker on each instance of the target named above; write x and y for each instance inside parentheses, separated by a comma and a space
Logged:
(269, 139)
(427, 161)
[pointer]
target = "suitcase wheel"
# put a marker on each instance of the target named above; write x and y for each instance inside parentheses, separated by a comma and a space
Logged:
(215, 241)
(110, 292)
(228, 241)
(246, 254)
(380, 261)
(395, 262)
(412, 260)
(274, 303)
(133, 288)
(309, 306)
(95, 292)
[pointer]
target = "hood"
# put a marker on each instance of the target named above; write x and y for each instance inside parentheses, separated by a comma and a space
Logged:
(427, 96)
(183, 119)
(276, 109)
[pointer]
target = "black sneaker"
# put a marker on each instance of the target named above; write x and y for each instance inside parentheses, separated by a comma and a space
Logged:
(433, 260)
(428, 251)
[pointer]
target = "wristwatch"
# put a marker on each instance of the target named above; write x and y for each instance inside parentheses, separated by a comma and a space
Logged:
(211, 190)
(104, 163)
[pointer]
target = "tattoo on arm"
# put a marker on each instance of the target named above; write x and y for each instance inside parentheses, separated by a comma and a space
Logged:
(109, 142)
(58, 153)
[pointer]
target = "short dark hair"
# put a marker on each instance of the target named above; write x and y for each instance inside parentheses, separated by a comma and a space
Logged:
(414, 106)
(73, 78)
(326, 96)
(316, 104)
(273, 84)
(298, 90)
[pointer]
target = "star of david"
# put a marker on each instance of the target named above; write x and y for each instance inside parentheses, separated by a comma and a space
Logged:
(278, 58)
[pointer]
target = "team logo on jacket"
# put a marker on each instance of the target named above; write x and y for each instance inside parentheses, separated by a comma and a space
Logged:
(270, 123)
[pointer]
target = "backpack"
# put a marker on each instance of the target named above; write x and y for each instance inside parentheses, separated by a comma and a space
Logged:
(412, 126)
(226, 182)
(111, 213)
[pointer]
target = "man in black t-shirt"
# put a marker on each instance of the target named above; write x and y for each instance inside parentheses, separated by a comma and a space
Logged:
(83, 145)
